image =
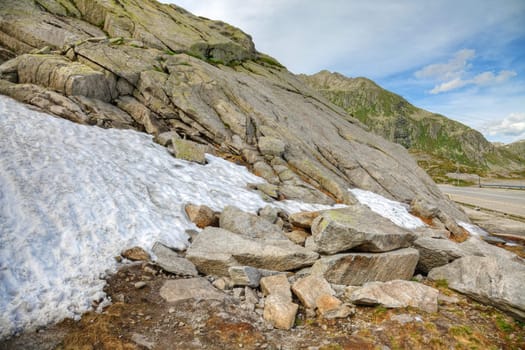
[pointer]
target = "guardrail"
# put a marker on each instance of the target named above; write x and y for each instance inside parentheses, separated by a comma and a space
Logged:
(510, 187)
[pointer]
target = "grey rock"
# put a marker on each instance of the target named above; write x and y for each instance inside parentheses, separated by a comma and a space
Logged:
(215, 250)
(490, 280)
(477, 247)
(193, 288)
(359, 268)
(171, 262)
(165, 138)
(436, 252)
(245, 276)
(397, 294)
(422, 208)
(235, 220)
(358, 228)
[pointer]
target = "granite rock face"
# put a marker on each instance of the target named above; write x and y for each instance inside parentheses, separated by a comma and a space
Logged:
(165, 70)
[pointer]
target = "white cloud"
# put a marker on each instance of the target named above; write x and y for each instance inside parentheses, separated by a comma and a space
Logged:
(512, 126)
(453, 69)
(455, 73)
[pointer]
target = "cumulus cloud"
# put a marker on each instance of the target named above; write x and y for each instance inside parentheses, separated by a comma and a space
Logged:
(512, 126)
(456, 73)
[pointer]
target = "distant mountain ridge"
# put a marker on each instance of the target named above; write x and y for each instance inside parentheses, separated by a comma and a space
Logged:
(438, 143)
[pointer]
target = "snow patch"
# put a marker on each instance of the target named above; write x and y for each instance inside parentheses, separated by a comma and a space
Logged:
(473, 229)
(394, 211)
(72, 197)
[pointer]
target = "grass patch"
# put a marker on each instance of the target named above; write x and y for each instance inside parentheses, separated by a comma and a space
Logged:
(442, 283)
(503, 325)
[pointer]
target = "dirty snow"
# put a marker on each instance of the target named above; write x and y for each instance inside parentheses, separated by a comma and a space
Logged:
(394, 211)
(73, 196)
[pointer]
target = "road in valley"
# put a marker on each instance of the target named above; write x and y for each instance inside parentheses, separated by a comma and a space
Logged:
(502, 200)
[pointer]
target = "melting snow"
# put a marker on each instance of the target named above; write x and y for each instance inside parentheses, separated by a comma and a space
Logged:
(73, 196)
(394, 211)
(473, 229)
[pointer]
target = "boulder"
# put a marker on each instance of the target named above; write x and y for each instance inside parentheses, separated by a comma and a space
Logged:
(303, 219)
(490, 280)
(188, 150)
(422, 208)
(359, 268)
(358, 228)
(309, 289)
(135, 254)
(214, 250)
(397, 294)
(193, 288)
(201, 215)
(436, 252)
(235, 220)
(478, 247)
(171, 262)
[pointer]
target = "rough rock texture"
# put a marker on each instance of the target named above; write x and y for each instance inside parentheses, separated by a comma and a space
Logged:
(192, 288)
(490, 280)
(310, 288)
(359, 268)
(278, 307)
(356, 227)
(135, 254)
(304, 219)
(171, 262)
(397, 294)
(201, 215)
(436, 252)
(245, 276)
(214, 250)
(205, 80)
(235, 220)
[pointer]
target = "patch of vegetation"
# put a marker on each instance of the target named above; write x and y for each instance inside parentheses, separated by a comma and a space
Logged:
(503, 325)
(441, 283)
(460, 330)
(268, 60)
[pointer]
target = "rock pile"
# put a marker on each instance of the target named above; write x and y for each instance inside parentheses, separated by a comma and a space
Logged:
(350, 257)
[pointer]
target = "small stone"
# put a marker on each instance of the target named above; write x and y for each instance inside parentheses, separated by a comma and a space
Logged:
(223, 283)
(297, 236)
(139, 285)
(310, 288)
(135, 254)
(171, 310)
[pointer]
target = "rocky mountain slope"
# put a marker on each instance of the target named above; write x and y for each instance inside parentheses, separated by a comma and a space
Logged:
(156, 68)
(518, 148)
(438, 143)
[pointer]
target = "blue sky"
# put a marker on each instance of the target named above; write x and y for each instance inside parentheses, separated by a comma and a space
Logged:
(464, 59)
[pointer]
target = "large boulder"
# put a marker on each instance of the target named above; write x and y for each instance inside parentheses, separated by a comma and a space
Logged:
(193, 288)
(359, 268)
(435, 252)
(358, 228)
(490, 280)
(215, 250)
(397, 294)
